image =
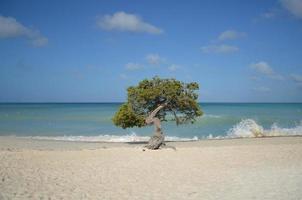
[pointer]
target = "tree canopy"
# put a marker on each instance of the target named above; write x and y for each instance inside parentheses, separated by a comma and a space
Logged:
(179, 100)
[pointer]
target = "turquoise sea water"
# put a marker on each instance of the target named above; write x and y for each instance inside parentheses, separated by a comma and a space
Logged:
(92, 121)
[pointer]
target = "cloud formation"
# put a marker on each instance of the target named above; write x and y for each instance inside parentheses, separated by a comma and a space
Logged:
(293, 6)
(154, 59)
(231, 35)
(121, 21)
(223, 48)
(11, 28)
(265, 69)
(151, 61)
(219, 47)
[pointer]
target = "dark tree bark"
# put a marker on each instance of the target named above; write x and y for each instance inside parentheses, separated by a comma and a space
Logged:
(157, 140)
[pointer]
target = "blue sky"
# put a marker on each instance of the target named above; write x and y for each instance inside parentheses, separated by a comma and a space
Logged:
(91, 51)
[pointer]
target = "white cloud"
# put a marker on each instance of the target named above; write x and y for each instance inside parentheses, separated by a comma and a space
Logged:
(11, 28)
(262, 89)
(264, 68)
(293, 6)
(121, 21)
(173, 67)
(223, 48)
(154, 59)
(231, 35)
(133, 66)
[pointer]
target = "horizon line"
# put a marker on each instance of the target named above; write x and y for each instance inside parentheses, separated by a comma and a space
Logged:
(108, 102)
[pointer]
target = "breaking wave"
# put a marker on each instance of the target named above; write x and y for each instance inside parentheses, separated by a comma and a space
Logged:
(246, 128)
(249, 128)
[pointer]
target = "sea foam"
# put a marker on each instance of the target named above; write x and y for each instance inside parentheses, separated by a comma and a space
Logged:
(246, 128)
(249, 128)
(112, 138)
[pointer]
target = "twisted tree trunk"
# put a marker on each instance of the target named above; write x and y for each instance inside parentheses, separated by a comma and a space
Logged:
(158, 138)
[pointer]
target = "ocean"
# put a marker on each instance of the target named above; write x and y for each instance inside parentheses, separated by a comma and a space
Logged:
(92, 122)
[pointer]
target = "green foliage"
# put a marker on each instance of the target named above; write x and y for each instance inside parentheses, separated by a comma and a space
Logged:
(125, 117)
(179, 100)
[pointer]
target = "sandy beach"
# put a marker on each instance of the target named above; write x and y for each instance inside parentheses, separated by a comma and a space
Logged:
(263, 168)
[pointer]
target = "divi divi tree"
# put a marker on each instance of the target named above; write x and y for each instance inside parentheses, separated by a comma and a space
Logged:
(156, 100)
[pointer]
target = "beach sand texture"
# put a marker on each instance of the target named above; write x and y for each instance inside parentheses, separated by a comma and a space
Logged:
(264, 168)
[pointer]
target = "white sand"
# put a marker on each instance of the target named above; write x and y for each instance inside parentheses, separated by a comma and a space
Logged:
(266, 168)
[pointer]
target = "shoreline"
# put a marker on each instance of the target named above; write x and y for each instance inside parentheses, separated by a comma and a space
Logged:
(21, 142)
(249, 168)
